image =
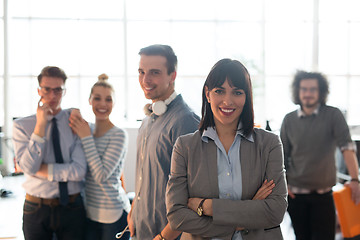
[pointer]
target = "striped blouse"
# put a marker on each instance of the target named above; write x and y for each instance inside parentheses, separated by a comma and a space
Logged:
(105, 199)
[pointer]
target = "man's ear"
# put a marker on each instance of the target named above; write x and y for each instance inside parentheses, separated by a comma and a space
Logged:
(173, 76)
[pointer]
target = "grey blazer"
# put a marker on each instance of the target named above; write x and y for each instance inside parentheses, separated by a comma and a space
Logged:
(194, 174)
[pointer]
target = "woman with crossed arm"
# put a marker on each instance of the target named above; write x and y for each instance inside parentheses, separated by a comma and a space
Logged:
(217, 172)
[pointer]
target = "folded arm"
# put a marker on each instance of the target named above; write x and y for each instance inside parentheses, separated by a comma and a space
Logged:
(258, 214)
(182, 218)
(28, 148)
(103, 167)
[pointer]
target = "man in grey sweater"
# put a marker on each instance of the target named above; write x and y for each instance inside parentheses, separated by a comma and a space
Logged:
(310, 136)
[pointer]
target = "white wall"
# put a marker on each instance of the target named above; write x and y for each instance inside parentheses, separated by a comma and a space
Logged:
(130, 160)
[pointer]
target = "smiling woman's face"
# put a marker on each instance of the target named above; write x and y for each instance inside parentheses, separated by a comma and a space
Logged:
(227, 104)
(101, 101)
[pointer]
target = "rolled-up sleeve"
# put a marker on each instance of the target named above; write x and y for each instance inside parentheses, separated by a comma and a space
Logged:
(28, 149)
(341, 132)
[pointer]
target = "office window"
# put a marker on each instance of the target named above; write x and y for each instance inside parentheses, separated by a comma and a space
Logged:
(1, 62)
(339, 54)
(272, 38)
(85, 38)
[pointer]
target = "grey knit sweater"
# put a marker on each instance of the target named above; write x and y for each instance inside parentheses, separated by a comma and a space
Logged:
(309, 147)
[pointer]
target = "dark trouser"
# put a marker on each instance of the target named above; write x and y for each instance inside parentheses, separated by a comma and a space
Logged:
(313, 216)
(106, 231)
(41, 221)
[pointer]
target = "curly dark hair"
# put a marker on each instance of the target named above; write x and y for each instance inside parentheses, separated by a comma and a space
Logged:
(322, 82)
(238, 76)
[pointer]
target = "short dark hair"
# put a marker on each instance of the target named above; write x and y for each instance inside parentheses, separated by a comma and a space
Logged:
(51, 71)
(322, 82)
(237, 75)
(162, 50)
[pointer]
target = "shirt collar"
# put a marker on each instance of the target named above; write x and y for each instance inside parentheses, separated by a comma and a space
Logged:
(210, 132)
(58, 116)
(301, 113)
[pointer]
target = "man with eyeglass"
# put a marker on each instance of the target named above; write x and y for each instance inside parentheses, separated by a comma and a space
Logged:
(54, 164)
(310, 136)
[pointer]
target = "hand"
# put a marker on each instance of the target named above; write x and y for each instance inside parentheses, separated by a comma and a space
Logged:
(131, 225)
(42, 112)
(355, 191)
(167, 233)
(193, 203)
(43, 171)
(265, 190)
(290, 193)
(75, 113)
(78, 125)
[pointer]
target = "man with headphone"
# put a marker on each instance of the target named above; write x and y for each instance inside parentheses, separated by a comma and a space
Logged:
(168, 117)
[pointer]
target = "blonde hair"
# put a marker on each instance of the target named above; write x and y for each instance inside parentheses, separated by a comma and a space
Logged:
(103, 77)
(102, 82)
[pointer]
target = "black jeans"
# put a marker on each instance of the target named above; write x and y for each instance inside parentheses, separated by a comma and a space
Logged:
(313, 216)
(66, 222)
(107, 231)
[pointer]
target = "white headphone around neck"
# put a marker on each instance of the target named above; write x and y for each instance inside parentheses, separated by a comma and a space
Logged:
(159, 107)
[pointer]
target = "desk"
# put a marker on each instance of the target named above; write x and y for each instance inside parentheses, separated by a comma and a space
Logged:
(11, 208)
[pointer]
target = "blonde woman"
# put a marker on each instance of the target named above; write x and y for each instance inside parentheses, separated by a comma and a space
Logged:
(105, 147)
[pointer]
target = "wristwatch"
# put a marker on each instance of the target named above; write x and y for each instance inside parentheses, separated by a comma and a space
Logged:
(161, 236)
(200, 209)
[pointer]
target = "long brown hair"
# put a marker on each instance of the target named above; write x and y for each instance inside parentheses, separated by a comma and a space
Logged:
(237, 75)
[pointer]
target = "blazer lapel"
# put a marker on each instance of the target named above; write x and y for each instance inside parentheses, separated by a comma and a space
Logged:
(210, 151)
(246, 154)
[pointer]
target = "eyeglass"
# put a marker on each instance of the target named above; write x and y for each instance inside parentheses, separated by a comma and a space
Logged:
(56, 91)
(311, 90)
(120, 234)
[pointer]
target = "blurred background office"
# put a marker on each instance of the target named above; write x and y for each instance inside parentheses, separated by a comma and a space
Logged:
(90, 37)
